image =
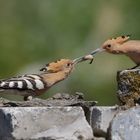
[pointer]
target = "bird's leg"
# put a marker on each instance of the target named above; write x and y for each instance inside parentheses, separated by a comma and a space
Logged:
(91, 61)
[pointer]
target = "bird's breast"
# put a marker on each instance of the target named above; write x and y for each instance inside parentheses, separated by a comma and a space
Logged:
(135, 57)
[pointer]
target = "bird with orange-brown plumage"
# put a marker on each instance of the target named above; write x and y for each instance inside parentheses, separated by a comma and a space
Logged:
(37, 84)
(122, 45)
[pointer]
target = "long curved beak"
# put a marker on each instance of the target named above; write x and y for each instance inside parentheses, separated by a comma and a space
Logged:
(84, 58)
(97, 51)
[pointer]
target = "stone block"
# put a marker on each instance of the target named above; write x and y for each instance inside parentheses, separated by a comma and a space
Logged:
(44, 123)
(100, 119)
(126, 125)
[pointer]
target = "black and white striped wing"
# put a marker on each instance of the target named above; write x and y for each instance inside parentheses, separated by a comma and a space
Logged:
(25, 82)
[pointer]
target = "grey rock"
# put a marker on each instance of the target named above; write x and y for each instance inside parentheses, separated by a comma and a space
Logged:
(44, 123)
(100, 119)
(59, 99)
(126, 125)
(99, 138)
(128, 87)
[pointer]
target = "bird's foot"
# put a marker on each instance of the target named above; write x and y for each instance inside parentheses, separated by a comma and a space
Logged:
(135, 67)
(28, 98)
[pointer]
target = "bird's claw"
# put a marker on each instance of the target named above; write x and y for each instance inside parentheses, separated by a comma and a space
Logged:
(91, 61)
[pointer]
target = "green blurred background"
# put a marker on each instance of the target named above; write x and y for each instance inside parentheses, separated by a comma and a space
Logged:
(35, 32)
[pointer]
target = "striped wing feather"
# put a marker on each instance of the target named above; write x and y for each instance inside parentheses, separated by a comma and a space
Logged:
(24, 82)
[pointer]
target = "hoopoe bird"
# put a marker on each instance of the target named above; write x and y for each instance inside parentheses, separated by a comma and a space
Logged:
(122, 45)
(113, 45)
(36, 84)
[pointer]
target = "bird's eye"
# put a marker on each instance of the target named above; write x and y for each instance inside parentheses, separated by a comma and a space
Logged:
(68, 64)
(108, 46)
(43, 69)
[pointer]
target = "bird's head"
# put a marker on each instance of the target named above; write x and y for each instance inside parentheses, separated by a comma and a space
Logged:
(114, 45)
(65, 65)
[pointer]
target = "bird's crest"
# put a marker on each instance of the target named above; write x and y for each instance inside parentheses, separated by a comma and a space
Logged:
(56, 65)
(120, 39)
